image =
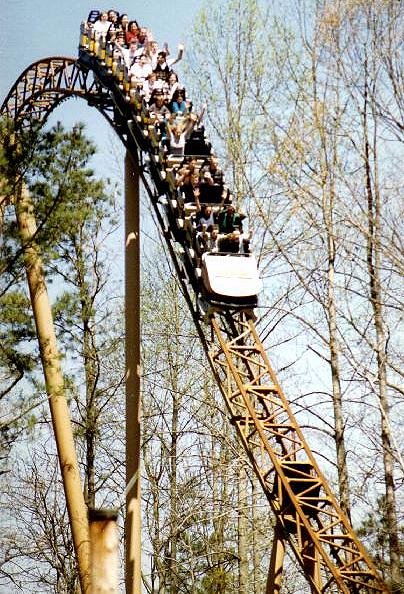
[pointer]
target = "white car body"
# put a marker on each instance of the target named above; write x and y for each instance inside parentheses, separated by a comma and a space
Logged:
(230, 275)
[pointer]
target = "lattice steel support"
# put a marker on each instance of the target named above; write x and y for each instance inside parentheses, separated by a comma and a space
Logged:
(308, 516)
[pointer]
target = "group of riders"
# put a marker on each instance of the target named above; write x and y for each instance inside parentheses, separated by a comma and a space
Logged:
(145, 73)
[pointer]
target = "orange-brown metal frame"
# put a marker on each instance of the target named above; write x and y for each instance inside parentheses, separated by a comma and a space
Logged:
(307, 515)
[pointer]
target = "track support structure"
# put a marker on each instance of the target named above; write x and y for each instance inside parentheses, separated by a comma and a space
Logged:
(132, 377)
(308, 517)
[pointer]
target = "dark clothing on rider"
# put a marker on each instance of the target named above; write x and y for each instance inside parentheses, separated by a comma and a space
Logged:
(229, 222)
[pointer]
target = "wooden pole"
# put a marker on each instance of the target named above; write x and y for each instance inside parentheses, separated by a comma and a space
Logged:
(104, 543)
(50, 359)
(132, 355)
(276, 563)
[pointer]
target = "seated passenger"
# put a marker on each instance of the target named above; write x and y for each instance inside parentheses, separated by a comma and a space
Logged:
(211, 192)
(132, 32)
(113, 22)
(153, 52)
(211, 166)
(229, 220)
(178, 104)
(206, 217)
(230, 243)
(190, 188)
(101, 27)
(187, 168)
(207, 240)
(159, 112)
(163, 66)
(118, 37)
(143, 37)
(178, 134)
(130, 55)
(141, 68)
(113, 17)
(151, 85)
(172, 85)
(123, 24)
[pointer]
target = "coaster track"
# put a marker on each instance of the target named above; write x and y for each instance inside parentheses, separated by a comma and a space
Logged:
(307, 514)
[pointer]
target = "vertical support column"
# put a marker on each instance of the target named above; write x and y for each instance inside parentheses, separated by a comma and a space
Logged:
(276, 564)
(104, 543)
(132, 376)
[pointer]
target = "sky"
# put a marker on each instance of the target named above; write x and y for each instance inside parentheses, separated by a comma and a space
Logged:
(32, 30)
(35, 29)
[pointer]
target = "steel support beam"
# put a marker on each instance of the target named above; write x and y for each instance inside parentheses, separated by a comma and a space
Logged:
(132, 377)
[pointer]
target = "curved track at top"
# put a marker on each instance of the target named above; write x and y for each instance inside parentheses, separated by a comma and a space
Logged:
(307, 514)
(45, 84)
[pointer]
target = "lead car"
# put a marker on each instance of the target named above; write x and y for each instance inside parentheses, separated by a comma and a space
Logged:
(230, 280)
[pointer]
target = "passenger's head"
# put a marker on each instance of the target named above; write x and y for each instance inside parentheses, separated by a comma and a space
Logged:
(173, 78)
(235, 235)
(142, 34)
(120, 37)
(124, 20)
(207, 210)
(214, 231)
(158, 98)
(104, 16)
(153, 46)
(179, 95)
(133, 27)
(161, 57)
(112, 16)
(230, 209)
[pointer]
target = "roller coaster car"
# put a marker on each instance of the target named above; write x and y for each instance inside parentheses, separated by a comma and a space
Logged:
(230, 279)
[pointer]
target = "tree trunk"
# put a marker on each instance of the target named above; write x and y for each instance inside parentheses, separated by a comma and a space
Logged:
(374, 272)
(328, 164)
(54, 386)
(243, 530)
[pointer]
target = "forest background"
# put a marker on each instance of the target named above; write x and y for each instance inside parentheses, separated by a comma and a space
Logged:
(305, 111)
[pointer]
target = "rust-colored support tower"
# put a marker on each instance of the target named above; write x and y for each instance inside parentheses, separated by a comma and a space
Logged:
(308, 517)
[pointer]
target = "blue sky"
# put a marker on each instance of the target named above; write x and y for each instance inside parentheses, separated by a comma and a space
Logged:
(32, 30)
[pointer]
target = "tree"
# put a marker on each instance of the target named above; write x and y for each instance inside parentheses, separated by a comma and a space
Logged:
(295, 84)
(74, 219)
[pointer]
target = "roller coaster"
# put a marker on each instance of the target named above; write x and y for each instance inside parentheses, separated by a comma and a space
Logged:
(221, 289)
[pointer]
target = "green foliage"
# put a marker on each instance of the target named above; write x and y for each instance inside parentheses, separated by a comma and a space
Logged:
(17, 155)
(71, 205)
(68, 199)
(374, 532)
(16, 330)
